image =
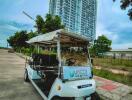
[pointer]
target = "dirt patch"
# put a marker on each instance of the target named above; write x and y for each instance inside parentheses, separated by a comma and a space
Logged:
(115, 71)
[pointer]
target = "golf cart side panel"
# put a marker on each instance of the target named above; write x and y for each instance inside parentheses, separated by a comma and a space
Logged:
(33, 74)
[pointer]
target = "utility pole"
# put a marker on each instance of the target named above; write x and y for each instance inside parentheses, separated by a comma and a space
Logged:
(37, 46)
(28, 16)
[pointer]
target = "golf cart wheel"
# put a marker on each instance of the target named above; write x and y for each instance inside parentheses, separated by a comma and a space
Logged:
(26, 79)
(62, 98)
(56, 98)
(95, 96)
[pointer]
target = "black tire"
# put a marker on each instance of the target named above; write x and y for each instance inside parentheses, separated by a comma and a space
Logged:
(62, 98)
(26, 79)
(56, 98)
(95, 96)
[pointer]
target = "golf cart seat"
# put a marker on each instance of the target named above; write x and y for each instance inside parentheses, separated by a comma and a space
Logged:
(44, 60)
(47, 63)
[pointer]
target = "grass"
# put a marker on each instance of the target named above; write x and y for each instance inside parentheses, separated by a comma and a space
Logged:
(125, 79)
(122, 64)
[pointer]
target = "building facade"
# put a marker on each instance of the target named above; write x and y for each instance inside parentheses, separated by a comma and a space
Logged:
(78, 16)
(120, 53)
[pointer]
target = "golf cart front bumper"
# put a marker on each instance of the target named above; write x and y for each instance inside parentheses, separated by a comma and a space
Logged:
(78, 88)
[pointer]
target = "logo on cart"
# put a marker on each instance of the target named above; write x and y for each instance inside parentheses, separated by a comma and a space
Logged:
(78, 73)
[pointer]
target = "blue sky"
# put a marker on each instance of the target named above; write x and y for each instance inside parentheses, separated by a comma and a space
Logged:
(111, 20)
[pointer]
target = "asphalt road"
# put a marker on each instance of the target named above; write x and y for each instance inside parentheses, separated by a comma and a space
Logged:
(12, 85)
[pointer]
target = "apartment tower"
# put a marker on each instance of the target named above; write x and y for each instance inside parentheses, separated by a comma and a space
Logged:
(78, 16)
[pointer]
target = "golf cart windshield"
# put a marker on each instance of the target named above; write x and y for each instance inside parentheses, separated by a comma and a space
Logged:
(76, 63)
(75, 56)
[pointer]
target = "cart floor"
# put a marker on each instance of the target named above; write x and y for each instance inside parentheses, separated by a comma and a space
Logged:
(43, 86)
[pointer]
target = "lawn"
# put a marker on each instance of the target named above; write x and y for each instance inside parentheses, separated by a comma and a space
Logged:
(122, 64)
(125, 79)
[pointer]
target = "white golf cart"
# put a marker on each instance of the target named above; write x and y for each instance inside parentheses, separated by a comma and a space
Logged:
(54, 76)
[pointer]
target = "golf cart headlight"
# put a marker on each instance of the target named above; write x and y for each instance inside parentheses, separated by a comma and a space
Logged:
(58, 87)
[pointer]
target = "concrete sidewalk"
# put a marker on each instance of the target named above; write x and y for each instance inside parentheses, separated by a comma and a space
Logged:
(110, 90)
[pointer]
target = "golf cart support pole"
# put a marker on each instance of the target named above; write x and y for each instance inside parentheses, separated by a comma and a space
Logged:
(37, 48)
(59, 53)
(89, 57)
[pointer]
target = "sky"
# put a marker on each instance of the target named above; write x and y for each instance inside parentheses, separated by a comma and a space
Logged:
(111, 20)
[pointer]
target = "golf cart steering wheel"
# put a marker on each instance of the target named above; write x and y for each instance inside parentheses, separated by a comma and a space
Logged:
(71, 61)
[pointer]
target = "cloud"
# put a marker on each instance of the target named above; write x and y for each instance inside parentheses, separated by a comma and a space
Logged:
(4, 34)
(12, 19)
(8, 28)
(12, 9)
(121, 37)
(101, 30)
(13, 25)
(114, 23)
(122, 46)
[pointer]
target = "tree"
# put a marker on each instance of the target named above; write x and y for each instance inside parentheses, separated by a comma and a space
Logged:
(40, 24)
(101, 45)
(11, 41)
(127, 4)
(51, 23)
(32, 34)
(18, 40)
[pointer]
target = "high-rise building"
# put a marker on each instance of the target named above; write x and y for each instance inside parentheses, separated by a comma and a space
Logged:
(79, 16)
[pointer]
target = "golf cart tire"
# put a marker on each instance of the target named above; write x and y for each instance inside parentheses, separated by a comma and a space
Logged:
(95, 96)
(61, 98)
(56, 98)
(26, 79)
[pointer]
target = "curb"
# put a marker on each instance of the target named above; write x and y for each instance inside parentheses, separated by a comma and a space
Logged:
(21, 55)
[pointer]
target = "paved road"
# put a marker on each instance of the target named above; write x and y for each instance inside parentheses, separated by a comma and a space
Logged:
(12, 85)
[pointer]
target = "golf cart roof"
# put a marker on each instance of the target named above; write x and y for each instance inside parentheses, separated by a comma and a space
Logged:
(65, 38)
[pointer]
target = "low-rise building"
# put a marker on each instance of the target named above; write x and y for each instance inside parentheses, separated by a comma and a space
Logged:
(120, 53)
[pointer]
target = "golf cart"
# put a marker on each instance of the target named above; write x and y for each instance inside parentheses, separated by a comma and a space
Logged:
(59, 76)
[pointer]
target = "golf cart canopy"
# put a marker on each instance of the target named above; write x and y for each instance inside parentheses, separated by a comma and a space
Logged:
(63, 36)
